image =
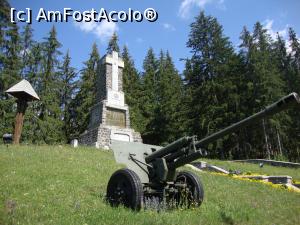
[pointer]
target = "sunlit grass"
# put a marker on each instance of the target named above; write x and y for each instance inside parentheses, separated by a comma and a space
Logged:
(62, 185)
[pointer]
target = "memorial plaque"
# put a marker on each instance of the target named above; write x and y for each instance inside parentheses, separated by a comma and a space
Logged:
(120, 137)
(115, 117)
(115, 98)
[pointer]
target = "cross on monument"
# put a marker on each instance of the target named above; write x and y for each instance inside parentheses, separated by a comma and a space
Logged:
(116, 63)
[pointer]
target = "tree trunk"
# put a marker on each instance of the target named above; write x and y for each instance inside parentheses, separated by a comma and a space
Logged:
(21, 108)
(279, 142)
(266, 140)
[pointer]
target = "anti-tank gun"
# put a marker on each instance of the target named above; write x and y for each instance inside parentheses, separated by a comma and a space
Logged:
(151, 170)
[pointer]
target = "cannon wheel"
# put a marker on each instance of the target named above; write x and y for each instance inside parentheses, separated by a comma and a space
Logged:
(125, 187)
(192, 195)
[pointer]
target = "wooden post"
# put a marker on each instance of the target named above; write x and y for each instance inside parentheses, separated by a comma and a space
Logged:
(21, 108)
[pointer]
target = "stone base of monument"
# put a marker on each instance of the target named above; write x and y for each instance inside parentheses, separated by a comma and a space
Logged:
(100, 137)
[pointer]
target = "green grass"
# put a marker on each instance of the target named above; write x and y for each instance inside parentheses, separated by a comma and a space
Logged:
(53, 185)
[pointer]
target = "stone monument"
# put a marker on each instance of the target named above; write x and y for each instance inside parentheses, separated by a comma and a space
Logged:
(109, 118)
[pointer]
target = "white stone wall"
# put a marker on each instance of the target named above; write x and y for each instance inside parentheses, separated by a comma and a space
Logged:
(101, 136)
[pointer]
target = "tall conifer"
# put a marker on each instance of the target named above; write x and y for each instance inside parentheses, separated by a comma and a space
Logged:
(50, 117)
(86, 96)
(149, 95)
(210, 80)
(68, 90)
(113, 44)
(132, 90)
(10, 67)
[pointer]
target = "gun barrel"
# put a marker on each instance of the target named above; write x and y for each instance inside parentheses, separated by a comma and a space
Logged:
(174, 146)
(282, 104)
(184, 160)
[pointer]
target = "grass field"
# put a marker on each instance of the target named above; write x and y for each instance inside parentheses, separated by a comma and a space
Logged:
(61, 185)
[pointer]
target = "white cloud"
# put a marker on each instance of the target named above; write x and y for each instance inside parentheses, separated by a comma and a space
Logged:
(187, 5)
(168, 26)
(103, 30)
(268, 25)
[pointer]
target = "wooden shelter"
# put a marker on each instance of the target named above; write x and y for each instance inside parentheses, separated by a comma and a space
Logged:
(24, 93)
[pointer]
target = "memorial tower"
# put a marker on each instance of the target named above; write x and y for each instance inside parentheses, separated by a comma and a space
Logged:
(109, 117)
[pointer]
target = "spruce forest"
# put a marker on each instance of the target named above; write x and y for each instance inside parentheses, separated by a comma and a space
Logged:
(221, 84)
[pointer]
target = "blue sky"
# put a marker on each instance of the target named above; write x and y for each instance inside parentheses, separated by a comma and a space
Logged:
(169, 32)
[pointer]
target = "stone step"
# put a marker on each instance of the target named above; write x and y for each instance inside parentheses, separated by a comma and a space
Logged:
(204, 166)
(273, 179)
(280, 179)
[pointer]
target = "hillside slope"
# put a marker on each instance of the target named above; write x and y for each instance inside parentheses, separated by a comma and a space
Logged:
(61, 185)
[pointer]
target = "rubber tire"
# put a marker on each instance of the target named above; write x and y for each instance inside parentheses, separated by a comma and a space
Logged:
(193, 181)
(132, 197)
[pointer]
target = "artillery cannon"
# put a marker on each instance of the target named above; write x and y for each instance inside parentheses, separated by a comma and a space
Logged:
(151, 170)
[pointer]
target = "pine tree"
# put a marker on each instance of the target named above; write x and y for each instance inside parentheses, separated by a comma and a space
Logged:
(4, 24)
(132, 90)
(295, 61)
(85, 98)
(263, 86)
(113, 44)
(26, 52)
(281, 56)
(10, 66)
(149, 96)
(50, 118)
(168, 114)
(211, 82)
(32, 70)
(161, 99)
(10, 49)
(157, 122)
(67, 93)
(292, 142)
